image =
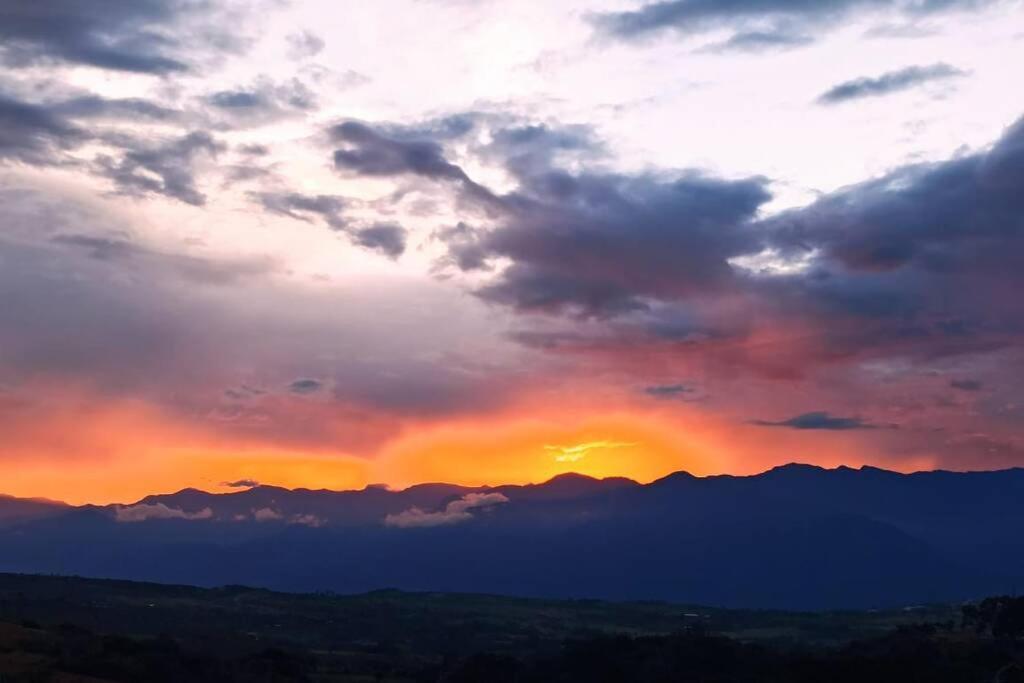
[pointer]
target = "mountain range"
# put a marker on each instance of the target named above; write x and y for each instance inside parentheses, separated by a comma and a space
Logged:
(794, 537)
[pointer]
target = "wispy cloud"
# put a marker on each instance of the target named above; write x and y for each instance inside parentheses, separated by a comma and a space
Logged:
(579, 451)
(888, 83)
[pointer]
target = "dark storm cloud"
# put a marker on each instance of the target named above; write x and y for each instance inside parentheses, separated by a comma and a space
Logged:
(818, 420)
(966, 384)
(601, 245)
(305, 386)
(918, 264)
(888, 83)
(942, 221)
(33, 133)
(303, 207)
(692, 16)
(588, 244)
(167, 168)
(387, 238)
(123, 36)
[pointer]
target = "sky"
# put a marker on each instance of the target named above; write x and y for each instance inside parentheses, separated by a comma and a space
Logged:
(327, 245)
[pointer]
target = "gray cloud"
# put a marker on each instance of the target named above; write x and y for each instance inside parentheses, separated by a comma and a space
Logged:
(305, 386)
(34, 133)
(668, 391)
(760, 41)
(106, 33)
(302, 207)
(387, 238)
(368, 151)
(888, 83)
(304, 44)
(966, 384)
(601, 245)
(694, 16)
(818, 420)
(241, 484)
(128, 108)
(165, 168)
(141, 36)
(261, 102)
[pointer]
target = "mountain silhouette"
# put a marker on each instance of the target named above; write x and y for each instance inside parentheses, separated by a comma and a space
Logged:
(794, 537)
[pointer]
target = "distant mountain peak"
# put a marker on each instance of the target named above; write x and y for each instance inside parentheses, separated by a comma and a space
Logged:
(570, 477)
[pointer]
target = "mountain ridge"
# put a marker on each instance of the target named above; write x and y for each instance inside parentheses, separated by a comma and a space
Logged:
(794, 537)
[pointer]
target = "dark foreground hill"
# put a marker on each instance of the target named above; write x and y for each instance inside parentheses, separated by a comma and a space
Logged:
(72, 630)
(796, 537)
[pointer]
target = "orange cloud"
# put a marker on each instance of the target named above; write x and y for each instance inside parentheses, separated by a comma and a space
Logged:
(94, 451)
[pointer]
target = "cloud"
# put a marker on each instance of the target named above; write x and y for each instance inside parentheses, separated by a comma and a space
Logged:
(668, 391)
(303, 207)
(760, 41)
(262, 102)
(376, 152)
(454, 512)
(307, 520)
(240, 484)
(158, 37)
(117, 36)
(387, 238)
(696, 16)
(146, 511)
(123, 109)
(818, 420)
(621, 264)
(303, 45)
(579, 451)
(33, 133)
(305, 386)
(165, 168)
(889, 83)
(266, 515)
(966, 384)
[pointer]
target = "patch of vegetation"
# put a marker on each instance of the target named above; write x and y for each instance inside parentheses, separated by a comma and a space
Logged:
(73, 630)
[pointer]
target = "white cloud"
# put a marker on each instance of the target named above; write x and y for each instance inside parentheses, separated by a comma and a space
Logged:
(455, 512)
(266, 515)
(306, 520)
(145, 511)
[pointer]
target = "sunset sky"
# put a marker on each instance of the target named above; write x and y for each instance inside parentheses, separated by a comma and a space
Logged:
(327, 244)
